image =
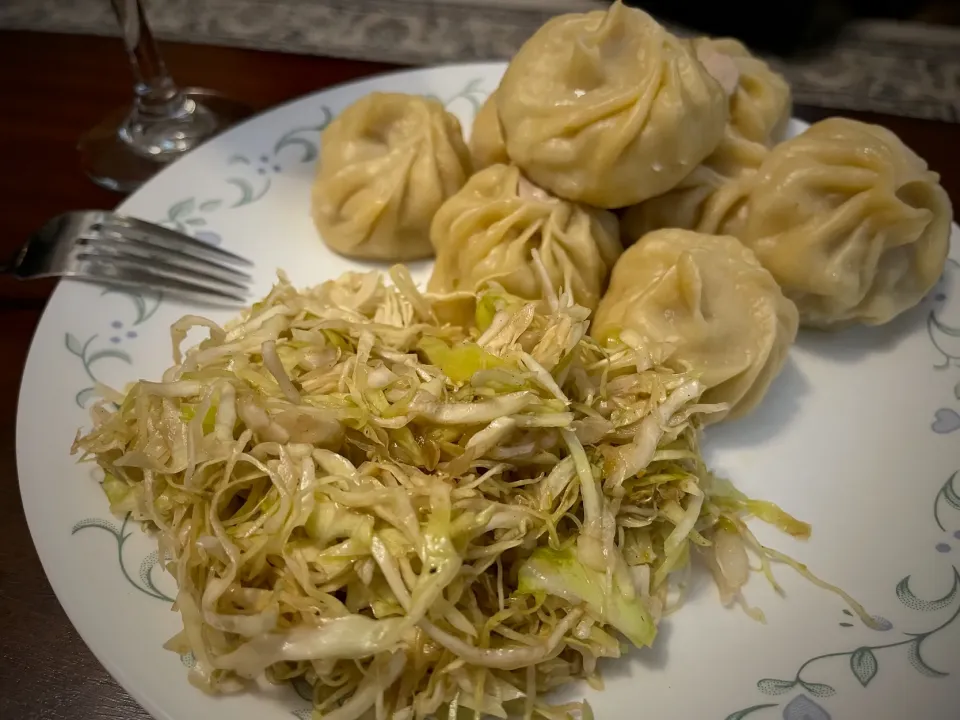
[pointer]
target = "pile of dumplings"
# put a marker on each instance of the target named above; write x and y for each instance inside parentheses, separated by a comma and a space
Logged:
(652, 176)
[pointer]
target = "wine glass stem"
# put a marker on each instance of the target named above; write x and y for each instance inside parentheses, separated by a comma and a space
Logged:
(157, 96)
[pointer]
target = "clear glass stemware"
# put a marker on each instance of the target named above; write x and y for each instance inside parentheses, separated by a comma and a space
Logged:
(166, 121)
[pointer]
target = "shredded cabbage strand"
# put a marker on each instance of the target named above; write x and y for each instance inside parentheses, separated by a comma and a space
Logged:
(413, 516)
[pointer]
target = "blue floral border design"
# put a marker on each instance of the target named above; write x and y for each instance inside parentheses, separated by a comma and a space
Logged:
(863, 661)
(142, 578)
(946, 339)
(249, 180)
(107, 345)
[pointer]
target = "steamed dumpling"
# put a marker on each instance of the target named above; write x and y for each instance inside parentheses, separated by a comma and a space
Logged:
(488, 229)
(608, 108)
(387, 163)
(761, 103)
(487, 146)
(708, 298)
(710, 197)
(709, 200)
(850, 221)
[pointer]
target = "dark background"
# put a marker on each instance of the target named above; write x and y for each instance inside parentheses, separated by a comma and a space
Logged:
(790, 27)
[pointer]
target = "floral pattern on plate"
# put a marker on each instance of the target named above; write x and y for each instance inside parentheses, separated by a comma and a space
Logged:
(110, 337)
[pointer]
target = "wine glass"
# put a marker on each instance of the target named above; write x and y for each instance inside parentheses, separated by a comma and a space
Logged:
(165, 122)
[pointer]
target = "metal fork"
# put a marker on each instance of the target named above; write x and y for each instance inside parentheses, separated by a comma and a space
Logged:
(106, 247)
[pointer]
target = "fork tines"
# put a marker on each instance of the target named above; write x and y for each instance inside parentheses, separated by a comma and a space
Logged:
(125, 249)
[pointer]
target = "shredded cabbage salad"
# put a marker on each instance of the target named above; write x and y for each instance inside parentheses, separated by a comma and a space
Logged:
(420, 504)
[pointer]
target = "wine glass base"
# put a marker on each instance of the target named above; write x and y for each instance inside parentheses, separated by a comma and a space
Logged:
(111, 160)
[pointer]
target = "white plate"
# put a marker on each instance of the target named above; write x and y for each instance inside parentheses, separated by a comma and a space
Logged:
(860, 436)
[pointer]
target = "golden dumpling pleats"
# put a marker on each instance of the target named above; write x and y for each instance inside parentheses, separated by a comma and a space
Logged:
(387, 163)
(709, 199)
(850, 221)
(487, 146)
(760, 105)
(608, 108)
(487, 231)
(709, 299)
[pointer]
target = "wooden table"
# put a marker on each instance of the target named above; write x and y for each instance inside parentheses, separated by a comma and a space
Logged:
(52, 89)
